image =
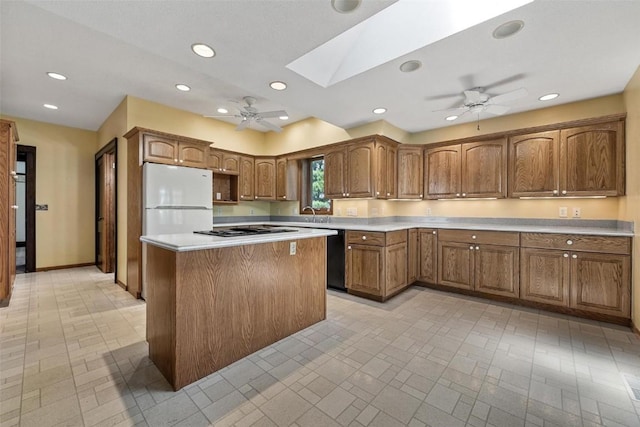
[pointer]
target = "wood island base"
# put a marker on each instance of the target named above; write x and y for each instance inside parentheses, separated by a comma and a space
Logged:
(209, 308)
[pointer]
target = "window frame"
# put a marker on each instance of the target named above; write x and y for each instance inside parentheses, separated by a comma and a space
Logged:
(306, 190)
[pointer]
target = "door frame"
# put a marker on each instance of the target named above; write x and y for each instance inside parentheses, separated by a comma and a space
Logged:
(110, 148)
(28, 153)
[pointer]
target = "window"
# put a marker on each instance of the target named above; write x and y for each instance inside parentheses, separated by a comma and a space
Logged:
(313, 187)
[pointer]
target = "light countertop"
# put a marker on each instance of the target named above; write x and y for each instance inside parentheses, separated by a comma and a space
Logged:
(193, 242)
(394, 226)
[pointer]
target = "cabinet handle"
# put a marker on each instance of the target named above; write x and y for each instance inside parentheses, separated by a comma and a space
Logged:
(555, 192)
(433, 232)
(471, 247)
(13, 173)
(574, 256)
(377, 193)
(181, 161)
(347, 194)
(242, 197)
(477, 248)
(569, 242)
(457, 194)
(464, 194)
(473, 237)
(344, 194)
(14, 206)
(564, 191)
(284, 197)
(388, 194)
(566, 255)
(15, 177)
(175, 160)
(364, 237)
(349, 247)
(421, 196)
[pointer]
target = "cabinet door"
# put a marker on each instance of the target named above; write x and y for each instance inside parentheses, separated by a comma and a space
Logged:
(410, 174)
(334, 166)
(442, 172)
(428, 263)
(544, 276)
(265, 179)
(396, 268)
(592, 160)
(287, 176)
(413, 255)
(214, 160)
(365, 269)
(386, 175)
(497, 270)
(484, 169)
(359, 170)
(194, 155)
(160, 150)
(534, 164)
(245, 180)
(455, 264)
(230, 163)
(600, 283)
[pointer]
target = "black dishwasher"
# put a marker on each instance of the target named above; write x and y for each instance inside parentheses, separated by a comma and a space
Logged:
(335, 261)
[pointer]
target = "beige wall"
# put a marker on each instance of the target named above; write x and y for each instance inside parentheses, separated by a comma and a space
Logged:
(64, 181)
(116, 126)
(630, 205)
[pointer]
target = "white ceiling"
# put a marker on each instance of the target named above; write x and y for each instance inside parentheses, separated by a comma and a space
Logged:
(109, 49)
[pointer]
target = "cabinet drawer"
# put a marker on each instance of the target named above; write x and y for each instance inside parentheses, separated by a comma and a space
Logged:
(578, 242)
(370, 238)
(481, 237)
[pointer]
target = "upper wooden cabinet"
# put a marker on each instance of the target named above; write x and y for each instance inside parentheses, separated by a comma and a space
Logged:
(334, 173)
(410, 173)
(287, 179)
(265, 178)
(386, 170)
(348, 171)
(160, 149)
(579, 161)
(246, 179)
(8, 138)
(223, 162)
(470, 170)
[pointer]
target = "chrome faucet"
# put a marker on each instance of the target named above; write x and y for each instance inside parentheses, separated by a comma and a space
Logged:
(313, 211)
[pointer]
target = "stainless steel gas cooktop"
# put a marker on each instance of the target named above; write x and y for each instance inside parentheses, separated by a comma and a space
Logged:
(245, 231)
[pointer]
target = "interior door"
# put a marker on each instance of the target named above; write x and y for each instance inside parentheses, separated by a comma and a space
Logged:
(105, 230)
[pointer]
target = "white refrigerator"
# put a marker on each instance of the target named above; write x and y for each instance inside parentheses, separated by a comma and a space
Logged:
(176, 199)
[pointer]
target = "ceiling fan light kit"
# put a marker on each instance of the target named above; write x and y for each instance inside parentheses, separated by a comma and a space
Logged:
(476, 101)
(249, 114)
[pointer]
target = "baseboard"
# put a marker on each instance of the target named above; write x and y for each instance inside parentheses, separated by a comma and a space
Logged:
(122, 285)
(62, 267)
(635, 329)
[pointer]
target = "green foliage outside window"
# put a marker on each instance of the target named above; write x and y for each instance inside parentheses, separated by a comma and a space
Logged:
(318, 200)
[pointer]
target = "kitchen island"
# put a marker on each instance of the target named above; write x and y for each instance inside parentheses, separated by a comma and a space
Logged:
(214, 300)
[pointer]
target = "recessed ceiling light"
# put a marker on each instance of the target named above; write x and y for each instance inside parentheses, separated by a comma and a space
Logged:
(183, 87)
(50, 106)
(379, 110)
(284, 117)
(222, 110)
(451, 118)
(203, 50)
(409, 66)
(549, 96)
(56, 76)
(345, 6)
(278, 85)
(508, 29)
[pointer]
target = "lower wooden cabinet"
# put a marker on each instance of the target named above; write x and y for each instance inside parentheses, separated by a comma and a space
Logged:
(587, 273)
(428, 262)
(413, 255)
(376, 263)
(482, 261)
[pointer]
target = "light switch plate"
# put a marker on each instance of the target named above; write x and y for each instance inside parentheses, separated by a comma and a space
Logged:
(292, 248)
(352, 211)
(562, 212)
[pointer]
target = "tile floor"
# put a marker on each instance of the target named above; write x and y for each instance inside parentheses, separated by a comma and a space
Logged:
(73, 353)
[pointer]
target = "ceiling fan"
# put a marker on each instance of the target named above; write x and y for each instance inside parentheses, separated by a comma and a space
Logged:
(248, 114)
(477, 101)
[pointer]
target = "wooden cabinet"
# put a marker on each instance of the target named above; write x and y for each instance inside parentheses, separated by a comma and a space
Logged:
(482, 261)
(588, 273)
(223, 162)
(413, 255)
(470, 170)
(287, 179)
(8, 138)
(410, 173)
(225, 189)
(161, 149)
(265, 178)
(386, 171)
(580, 161)
(245, 178)
(334, 173)
(428, 262)
(376, 263)
(348, 171)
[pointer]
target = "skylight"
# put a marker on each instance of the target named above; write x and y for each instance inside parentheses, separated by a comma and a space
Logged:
(401, 28)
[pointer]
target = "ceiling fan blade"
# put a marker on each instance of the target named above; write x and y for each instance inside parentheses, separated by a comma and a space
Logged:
(473, 97)
(508, 97)
(269, 114)
(269, 125)
(243, 125)
(444, 96)
(451, 110)
(498, 110)
(504, 81)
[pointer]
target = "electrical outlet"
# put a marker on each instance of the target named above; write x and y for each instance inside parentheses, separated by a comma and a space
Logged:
(562, 212)
(292, 248)
(219, 211)
(352, 211)
(576, 212)
(251, 211)
(294, 211)
(339, 211)
(428, 211)
(374, 211)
